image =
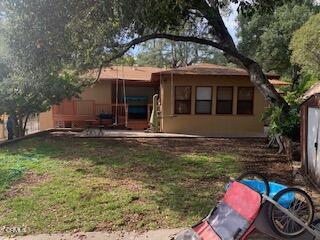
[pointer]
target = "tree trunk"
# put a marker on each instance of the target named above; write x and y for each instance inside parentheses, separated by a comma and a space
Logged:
(25, 123)
(19, 125)
(222, 40)
(295, 77)
(15, 125)
(257, 77)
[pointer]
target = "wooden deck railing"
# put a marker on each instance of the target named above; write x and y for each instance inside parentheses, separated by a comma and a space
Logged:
(75, 111)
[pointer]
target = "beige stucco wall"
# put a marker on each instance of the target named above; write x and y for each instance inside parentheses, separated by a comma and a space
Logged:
(2, 131)
(99, 92)
(3, 127)
(45, 120)
(210, 125)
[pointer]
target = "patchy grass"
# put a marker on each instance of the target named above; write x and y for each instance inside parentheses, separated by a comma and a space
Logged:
(56, 184)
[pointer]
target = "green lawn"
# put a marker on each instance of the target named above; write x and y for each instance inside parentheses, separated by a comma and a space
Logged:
(56, 184)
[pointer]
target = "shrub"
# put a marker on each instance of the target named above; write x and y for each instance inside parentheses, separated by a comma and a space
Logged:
(288, 126)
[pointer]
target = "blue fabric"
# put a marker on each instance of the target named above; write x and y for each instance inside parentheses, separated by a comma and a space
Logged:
(256, 185)
(137, 109)
(137, 98)
(285, 201)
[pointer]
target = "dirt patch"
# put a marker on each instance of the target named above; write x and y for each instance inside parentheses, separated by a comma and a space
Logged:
(251, 153)
(23, 186)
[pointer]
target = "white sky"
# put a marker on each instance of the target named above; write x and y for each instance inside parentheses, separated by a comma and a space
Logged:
(231, 22)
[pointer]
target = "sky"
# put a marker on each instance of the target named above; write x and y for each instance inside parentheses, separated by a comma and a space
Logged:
(231, 23)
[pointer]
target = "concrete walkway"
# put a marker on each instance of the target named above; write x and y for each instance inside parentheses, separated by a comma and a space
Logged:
(163, 234)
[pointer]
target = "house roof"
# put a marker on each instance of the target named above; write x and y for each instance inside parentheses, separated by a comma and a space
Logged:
(129, 73)
(147, 74)
(211, 69)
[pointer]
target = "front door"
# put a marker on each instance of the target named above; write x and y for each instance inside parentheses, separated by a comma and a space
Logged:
(313, 147)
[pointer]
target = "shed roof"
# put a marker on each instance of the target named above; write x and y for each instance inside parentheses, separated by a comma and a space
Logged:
(315, 89)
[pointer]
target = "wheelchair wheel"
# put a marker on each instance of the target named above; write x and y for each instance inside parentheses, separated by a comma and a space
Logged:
(248, 178)
(299, 204)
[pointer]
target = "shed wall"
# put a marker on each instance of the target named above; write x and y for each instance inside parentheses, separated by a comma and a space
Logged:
(312, 102)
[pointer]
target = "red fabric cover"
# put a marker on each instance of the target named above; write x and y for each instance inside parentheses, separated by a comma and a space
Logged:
(244, 200)
(205, 231)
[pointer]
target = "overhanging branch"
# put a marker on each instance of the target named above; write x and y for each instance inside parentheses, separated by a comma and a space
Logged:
(256, 74)
(99, 73)
(126, 47)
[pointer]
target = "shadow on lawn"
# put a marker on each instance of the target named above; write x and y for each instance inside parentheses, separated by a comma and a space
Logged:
(7, 177)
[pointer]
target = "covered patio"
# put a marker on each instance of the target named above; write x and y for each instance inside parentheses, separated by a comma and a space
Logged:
(121, 99)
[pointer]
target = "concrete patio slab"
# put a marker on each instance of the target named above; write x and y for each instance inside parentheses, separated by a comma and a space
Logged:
(142, 134)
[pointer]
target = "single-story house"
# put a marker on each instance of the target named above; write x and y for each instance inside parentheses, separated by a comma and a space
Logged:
(202, 99)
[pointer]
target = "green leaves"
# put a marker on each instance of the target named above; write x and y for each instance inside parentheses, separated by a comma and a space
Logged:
(305, 46)
(33, 70)
(286, 125)
(45, 37)
(160, 53)
(267, 37)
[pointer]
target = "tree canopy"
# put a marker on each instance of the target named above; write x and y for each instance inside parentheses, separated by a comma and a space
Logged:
(165, 53)
(266, 37)
(305, 46)
(48, 36)
(23, 92)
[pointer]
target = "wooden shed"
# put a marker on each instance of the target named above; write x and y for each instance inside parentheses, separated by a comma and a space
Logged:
(310, 134)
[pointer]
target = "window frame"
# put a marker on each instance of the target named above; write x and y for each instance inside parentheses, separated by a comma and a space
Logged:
(217, 100)
(196, 93)
(187, 101)
(251, 101)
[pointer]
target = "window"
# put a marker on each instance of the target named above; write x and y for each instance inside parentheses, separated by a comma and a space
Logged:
(224, 100)
(245, 100)
(183, 100)
(204, 100)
